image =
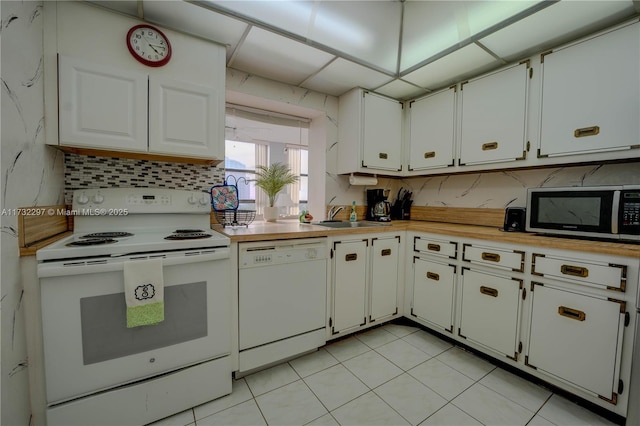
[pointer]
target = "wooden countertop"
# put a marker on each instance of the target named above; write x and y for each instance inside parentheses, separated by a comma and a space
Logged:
(287, 229)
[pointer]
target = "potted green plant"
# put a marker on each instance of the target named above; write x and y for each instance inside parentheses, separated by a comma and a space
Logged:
(272, 179)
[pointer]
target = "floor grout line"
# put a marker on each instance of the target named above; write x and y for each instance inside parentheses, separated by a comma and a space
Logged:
(449, 401)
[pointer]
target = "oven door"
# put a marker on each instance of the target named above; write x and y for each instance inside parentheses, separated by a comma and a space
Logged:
(87, 346)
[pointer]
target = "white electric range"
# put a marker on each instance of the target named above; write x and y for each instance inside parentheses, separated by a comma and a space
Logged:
(97, 369)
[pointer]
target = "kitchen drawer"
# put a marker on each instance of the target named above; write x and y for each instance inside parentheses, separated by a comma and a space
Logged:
(433, 290)
(436, 247)
(577, 338)
(603, 275)
(511, 260)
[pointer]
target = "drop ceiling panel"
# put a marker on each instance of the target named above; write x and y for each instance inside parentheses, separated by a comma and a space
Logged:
(292, 16)
(369, 31)
(399, 89)
(278, 58)
(341, 75)
(128, 7)
(460, 64)
(433, 26)
(197, 21)
(555, 25)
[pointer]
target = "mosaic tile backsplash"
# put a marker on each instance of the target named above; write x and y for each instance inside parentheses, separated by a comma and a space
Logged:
(105, 172)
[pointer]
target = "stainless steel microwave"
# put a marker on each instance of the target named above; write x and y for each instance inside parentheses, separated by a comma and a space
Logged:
(611, 212)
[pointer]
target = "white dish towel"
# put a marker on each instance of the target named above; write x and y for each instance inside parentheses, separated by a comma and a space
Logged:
(144, 292)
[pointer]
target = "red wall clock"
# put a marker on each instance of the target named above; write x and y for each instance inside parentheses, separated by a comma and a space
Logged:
(149, 45)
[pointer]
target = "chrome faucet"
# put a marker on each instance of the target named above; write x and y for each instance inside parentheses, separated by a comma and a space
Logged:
(332, 213)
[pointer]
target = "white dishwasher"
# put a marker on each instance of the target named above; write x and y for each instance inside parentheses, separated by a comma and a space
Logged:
(282, 292)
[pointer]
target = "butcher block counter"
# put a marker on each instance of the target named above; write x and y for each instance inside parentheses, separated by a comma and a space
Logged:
(288, 229)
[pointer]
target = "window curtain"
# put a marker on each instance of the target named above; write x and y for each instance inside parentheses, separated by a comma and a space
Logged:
(262, 159)
(294, 188)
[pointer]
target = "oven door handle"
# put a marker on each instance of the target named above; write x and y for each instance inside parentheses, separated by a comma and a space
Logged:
(115, 264)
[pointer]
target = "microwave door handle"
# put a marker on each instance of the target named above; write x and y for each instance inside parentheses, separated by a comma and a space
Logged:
(615, 212)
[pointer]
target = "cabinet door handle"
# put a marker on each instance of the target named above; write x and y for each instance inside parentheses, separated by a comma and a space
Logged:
(576, 271)
(433, 247)
(491, 257)
(385, 252)
(571, 313)
(489, 146)
(433, 276)
(488, 291)
(429, 154)
(586, 131)
(382, 155)
(351, 256)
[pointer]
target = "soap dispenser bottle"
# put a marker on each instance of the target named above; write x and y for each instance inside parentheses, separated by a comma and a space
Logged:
(353, 216)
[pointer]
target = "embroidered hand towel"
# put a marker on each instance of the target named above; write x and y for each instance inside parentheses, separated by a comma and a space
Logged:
(144, 292)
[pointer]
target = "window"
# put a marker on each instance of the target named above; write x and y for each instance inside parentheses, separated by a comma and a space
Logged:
(255, 137)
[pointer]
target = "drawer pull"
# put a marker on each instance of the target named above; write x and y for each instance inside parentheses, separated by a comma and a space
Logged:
(351, 256)
(382, 155)
(433, 247)
(491, 257)
(571, 313)
(385, 252)
(488, 291)
(433, 276)
(576, 271)
(586, 131)
(489, 146)
(429, 154)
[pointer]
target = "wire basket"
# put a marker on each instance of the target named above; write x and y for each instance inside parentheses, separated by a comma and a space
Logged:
(235, 217)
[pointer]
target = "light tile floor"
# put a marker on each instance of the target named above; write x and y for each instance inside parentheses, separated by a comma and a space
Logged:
(390, 375)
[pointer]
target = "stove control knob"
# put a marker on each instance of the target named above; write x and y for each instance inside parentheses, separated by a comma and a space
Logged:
(192, 199)
(98, 198)
(204, 200)
(82, 199)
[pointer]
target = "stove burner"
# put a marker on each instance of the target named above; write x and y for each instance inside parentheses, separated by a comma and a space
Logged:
(91, 242)
(188, 231)
(188, 236)
(108, 235)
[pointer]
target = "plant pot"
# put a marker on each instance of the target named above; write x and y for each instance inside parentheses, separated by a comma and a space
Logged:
(271, 214)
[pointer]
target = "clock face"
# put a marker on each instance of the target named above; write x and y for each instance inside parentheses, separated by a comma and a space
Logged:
(149, 45)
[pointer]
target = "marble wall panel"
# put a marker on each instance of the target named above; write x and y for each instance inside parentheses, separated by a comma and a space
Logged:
(509, 188)
(31, 174)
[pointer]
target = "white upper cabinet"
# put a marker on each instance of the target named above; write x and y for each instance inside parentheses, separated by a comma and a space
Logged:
(591, 95)
(99, 96)
(431, 142)
(369, 133)
(102, 106)
(184, 119)
(382, 130)
(493, 116)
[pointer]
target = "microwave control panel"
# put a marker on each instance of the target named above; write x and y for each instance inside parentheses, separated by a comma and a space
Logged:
(630, 209)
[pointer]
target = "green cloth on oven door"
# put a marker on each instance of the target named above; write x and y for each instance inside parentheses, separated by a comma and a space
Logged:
(149, 314)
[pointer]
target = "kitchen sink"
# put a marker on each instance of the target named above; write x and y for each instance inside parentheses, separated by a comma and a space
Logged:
(347, 224)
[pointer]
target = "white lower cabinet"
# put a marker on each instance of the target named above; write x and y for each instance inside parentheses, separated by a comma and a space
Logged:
(349, 281)
(433, 293)
(564, 316)
(385, 258)
(577, 338)
(364, 282)
(490, 313)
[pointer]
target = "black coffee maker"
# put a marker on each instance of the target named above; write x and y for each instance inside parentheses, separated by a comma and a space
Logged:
(378, 208)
